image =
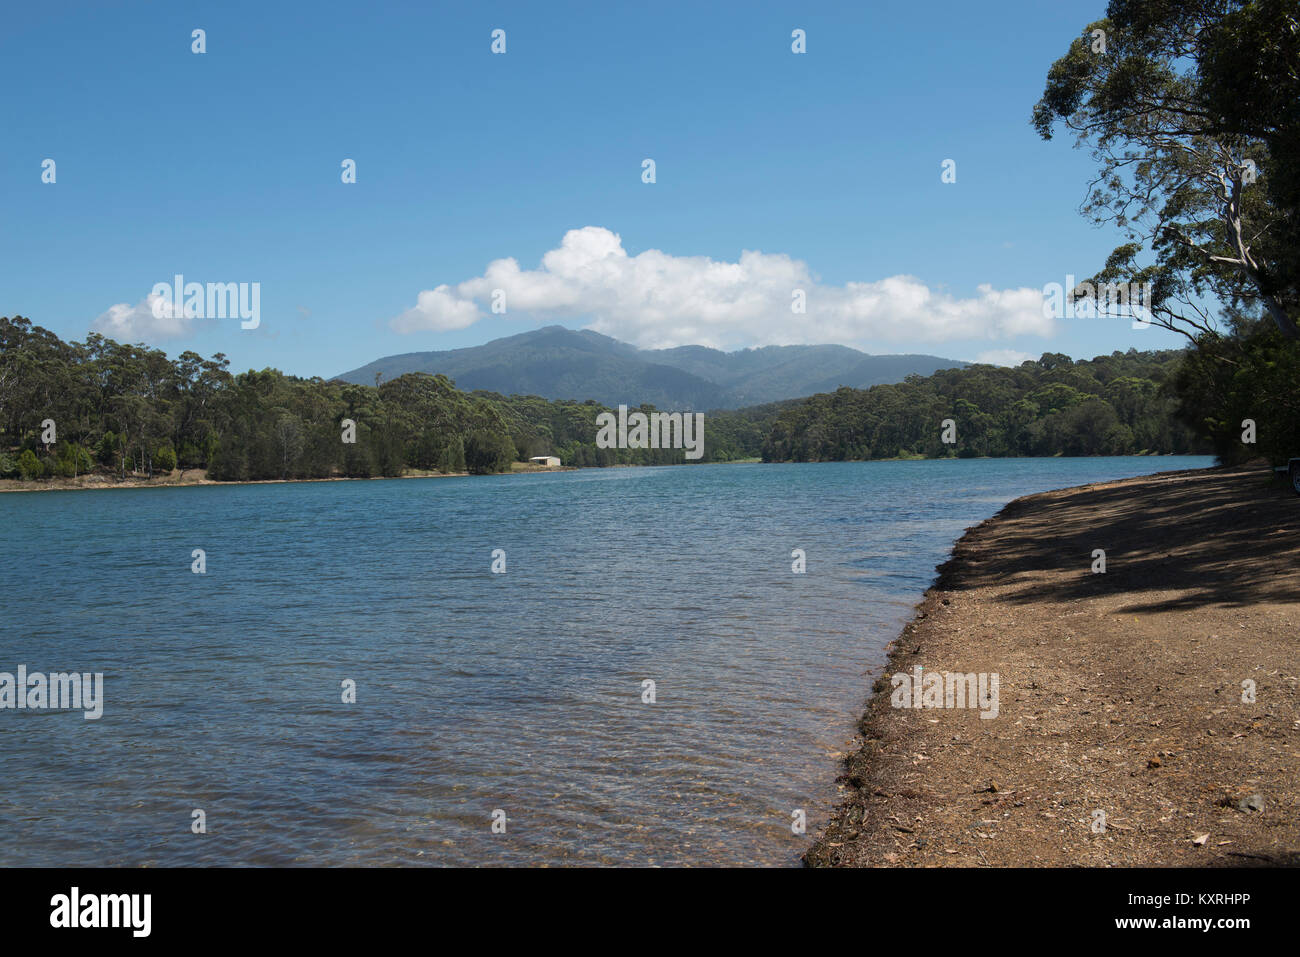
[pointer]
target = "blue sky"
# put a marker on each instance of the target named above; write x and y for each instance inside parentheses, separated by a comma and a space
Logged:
(825, 166)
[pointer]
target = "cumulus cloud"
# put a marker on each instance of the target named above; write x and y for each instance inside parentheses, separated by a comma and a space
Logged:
(439, 309)
(657, 300)
(1004, 357)
(152, 319)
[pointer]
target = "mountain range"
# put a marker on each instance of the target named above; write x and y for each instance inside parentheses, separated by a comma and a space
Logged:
(559, 363)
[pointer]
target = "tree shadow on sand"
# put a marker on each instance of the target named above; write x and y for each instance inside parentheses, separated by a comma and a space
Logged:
(1220, 537)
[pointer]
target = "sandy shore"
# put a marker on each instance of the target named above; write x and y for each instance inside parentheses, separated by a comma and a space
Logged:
(1120, 694)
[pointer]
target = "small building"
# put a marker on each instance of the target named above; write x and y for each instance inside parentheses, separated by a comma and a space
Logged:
(550, 461)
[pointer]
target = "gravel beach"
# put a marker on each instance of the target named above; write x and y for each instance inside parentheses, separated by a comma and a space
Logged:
(1148, 715)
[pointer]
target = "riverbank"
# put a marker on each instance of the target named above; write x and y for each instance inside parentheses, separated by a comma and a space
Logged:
(1121, 736)
(187, 477)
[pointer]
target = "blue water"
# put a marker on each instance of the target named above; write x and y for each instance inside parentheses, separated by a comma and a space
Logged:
(475, 691)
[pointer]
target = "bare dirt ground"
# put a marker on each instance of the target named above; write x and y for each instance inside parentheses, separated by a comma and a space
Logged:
(108, 480)
(1120, 692)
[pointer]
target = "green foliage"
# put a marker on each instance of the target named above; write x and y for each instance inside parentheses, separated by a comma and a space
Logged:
(488, 452)
(164, 460)
(1192, 113)
(107, 449)
(452, 456)
(1111, 405)
(73, 459)
(29, 466)
(190, 456)
(1249, 375)
(141, 412)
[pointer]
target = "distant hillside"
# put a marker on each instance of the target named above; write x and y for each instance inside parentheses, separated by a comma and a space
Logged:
(560, 363)
(1110, 405)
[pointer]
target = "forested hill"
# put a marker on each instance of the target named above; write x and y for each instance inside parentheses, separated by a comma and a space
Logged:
(131, 410)
(1111, 405)
(559, 363)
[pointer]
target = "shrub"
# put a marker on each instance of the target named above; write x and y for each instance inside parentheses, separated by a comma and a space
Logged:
(453, 456)
(74, 460)
(190, 456)
(488, 452)
(164, 460)
(29, 466)
(106, 449)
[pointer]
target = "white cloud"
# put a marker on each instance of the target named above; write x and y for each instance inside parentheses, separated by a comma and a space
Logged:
(438, 309)
(657, 300)
(152, 319)
(1004, 357)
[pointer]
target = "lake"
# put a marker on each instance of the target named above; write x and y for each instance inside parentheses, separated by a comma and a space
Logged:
(475, 691)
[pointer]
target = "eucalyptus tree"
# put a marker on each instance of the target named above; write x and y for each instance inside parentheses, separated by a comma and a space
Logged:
(1191, 110)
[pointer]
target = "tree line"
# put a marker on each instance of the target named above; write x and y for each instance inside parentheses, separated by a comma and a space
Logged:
(131, 410)
(1111, 405)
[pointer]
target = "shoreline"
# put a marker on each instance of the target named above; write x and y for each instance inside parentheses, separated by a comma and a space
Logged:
(1122, 736)
(100, 480)
(95, 481)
